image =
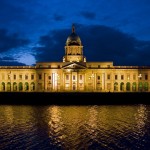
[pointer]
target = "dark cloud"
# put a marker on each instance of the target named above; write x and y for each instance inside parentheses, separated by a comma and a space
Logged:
(88, 15)
(10, 12)
(142, 49)
(52, 46)
(58, 17)
(100, 43)
(9, 61)
(9, 41)
(108, 44)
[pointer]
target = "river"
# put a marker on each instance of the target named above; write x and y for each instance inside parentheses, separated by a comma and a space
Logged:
(91, 127)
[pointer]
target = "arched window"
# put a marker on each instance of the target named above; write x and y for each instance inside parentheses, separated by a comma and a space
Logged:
(14, 86)
(121, 86)
(115, 86)
(26, 86)
(3, 86)
(8, 86)
(128, 86)
(146, 86)
(140, 86)
(20, 86)
(134, 86)
(32, 85)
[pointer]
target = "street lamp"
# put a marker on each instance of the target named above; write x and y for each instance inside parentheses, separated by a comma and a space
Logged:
(140, 76)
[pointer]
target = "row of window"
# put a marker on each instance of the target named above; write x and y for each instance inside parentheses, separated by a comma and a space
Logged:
(15, 77)
(67, 77)
(122, 77)
(116, 77)
(18, 86)
(74, 77)
(134, 86)
(32, 77)
(99, 66)
(49, 66)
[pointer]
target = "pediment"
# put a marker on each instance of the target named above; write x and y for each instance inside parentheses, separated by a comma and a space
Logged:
(74, 65)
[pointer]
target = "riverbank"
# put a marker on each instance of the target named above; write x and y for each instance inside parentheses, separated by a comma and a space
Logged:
(73, 98)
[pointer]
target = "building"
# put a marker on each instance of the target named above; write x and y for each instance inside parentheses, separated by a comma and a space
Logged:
(74, 73)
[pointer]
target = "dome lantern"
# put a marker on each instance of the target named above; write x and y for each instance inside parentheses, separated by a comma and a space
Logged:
(73, 39)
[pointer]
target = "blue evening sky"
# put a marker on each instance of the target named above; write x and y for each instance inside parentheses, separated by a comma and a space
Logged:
(110, 30)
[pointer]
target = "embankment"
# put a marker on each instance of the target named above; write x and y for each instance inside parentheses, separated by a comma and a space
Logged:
(73, 98)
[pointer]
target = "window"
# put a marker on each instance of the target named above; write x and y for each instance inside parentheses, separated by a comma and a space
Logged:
(116, 77)
(98, 77)
(146, 77)
(20, 77)
(108, 76)
(32, 76)
(128, 77)
(40, 76)
(58, 66)
(99, 66)
(26, 77)
(67, 77)
(74, 77)
(122, 77)
(49, 77)
(80, 77)
(14, 77)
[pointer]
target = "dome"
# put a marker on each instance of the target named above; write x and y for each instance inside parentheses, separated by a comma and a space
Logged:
(73, 39)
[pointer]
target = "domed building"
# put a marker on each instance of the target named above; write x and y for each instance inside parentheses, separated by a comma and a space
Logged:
(73, 48)
(74, 73)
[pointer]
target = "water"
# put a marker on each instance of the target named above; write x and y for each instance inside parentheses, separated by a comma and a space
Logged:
(75, 127)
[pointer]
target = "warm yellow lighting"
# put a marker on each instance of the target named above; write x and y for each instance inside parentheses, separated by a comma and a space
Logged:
(140, 75)
(92, 75)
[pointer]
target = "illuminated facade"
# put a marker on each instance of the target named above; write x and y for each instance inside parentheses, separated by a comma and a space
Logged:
(74, 74)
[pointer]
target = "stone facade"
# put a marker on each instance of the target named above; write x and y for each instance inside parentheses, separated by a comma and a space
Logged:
(74, 74)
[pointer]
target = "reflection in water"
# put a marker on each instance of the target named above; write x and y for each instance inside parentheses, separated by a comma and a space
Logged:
(141, 118)
(55, 126)
(75, 127)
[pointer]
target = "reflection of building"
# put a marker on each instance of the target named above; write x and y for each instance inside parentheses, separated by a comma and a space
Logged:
(74, 73)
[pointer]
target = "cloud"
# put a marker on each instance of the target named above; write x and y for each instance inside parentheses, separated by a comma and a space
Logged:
(100, 43)
(51, 46)
(9, 41)
(88, 15)
(11, 12)
(9, 61)
(58, 17)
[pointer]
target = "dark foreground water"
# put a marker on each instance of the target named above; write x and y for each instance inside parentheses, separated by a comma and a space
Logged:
(94, 127)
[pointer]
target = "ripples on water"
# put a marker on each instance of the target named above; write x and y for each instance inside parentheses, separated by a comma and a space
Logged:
(75, 127)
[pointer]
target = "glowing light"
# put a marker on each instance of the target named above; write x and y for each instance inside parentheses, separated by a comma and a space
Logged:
(140, 75)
